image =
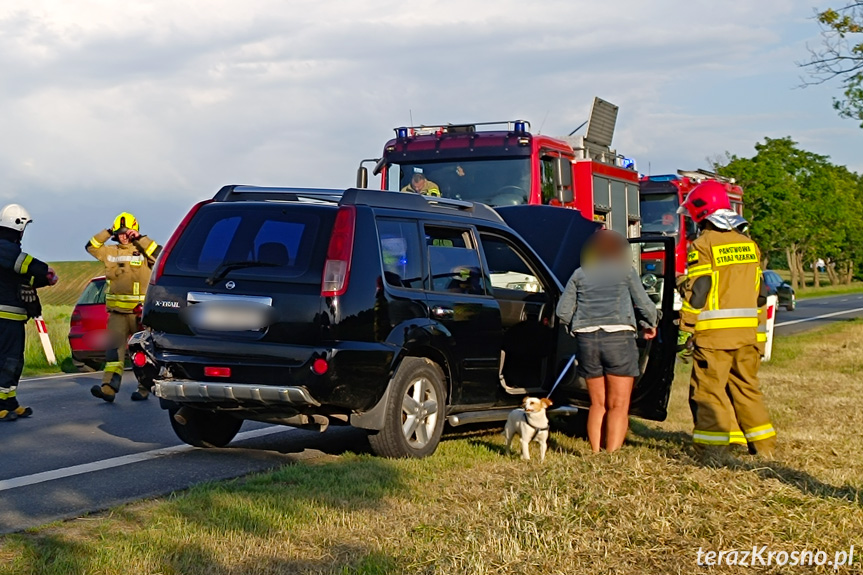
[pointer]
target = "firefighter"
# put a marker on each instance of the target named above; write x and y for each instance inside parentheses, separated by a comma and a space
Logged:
(20, 275)
(723, 292)
(127, 270)
(420, 185)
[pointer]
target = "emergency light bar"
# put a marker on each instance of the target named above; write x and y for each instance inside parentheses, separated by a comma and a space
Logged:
(404, 132)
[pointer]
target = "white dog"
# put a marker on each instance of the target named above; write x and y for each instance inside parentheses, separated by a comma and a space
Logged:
(531, 424)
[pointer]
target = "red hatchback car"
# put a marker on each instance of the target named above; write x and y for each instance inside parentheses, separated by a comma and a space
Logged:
(88, 326)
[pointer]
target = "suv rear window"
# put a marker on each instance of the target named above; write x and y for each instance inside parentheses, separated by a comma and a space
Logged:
(289, 241)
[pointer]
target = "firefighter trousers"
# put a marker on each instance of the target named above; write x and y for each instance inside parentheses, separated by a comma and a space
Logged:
(720, 377)
(120, 327)
(11, 361)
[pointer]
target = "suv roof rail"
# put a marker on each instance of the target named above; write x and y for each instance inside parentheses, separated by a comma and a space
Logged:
(241, 193)
(419, 202)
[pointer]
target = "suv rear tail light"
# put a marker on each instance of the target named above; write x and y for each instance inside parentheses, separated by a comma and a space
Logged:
(166, 249)
(337, 268)
(217, 371)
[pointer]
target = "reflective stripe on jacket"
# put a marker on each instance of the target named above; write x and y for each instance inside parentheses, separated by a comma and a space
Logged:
(127, 269)
(729, 317)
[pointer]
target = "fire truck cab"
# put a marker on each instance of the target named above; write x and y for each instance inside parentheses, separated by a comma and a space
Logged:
(660, 197)
(503, 163)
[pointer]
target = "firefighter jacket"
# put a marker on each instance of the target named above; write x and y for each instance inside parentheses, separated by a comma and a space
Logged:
(127, 269)
(429, 189)
(723, 290)
(19, 273)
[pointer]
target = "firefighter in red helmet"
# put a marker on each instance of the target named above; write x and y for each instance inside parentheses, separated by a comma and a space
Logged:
(722, 294)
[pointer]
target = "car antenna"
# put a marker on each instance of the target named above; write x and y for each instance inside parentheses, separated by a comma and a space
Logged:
(543, 123)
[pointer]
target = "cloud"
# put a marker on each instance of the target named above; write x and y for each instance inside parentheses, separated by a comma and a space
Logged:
(150, 106)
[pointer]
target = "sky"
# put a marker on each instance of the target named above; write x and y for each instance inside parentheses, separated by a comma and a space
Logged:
(151, 106)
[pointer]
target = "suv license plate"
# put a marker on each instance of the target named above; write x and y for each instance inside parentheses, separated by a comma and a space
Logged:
(213, 316)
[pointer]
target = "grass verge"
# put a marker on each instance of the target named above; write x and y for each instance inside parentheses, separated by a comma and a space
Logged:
(472, 508)
(57, 321)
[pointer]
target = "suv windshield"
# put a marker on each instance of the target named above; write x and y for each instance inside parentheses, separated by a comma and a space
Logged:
(659, 214)
(496, 182)
(253, 241)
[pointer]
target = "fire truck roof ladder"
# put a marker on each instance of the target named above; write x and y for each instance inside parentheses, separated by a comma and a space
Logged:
(699, 175)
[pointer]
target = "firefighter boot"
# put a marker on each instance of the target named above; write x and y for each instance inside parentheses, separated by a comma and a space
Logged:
(713, 455)
(22, 411)
(6, 415)
(763, 449)
(104, 391)
(140, 394)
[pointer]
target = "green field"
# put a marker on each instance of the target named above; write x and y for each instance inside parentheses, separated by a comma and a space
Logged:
(73, 278)
(473, 508)
(57, 303)
(57, 321)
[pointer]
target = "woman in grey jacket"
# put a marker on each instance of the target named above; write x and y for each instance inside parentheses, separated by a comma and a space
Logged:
(603, 305)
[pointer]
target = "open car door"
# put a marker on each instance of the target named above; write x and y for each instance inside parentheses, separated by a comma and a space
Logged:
(657, 356)
(557, 236)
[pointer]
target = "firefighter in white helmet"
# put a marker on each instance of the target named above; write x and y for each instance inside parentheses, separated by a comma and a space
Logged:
(20, 275)
(127, 270)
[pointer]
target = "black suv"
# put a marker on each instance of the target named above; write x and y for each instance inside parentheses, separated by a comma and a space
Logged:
(389, 311)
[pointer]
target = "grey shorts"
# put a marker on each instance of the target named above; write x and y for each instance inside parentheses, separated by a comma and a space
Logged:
(607, 353)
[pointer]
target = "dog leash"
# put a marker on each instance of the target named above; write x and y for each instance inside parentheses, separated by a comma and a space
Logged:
(562, 373)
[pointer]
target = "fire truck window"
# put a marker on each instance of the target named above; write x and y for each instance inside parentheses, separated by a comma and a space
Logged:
(454, 261)
(556, 179)
(507, 268)
(659, 214)
(546, 177)
(400, 253)
(496, 182)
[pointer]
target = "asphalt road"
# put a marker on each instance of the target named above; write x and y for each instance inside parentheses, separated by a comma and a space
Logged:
(818, 312)
(78, 454)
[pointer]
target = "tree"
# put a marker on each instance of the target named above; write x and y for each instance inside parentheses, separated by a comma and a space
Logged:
(840, 56)
(801, 205)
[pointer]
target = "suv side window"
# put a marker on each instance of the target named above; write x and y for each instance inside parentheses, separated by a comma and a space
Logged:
(454, 262)
(400, 253)
(507, 267)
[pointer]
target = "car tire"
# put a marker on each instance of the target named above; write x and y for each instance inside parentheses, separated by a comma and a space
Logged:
(204, 428)
(85, 367)
(792, 306)
(414, 416)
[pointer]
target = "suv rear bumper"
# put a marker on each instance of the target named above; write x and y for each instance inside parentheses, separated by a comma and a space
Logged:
(184, 391)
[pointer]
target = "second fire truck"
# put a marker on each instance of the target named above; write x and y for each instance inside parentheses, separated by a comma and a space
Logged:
(660, 197)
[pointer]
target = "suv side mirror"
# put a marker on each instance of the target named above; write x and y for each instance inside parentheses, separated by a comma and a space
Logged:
(362, 177)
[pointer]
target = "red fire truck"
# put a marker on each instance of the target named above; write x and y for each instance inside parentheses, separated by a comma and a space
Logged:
(503, 163)
(660, 198)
